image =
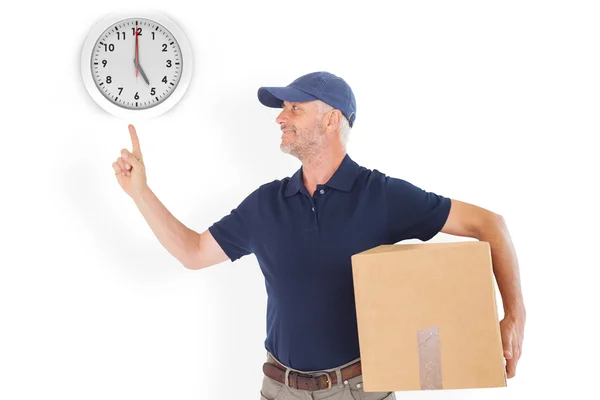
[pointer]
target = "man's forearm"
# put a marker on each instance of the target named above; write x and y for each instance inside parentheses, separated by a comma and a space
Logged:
(506, 267)
(178, 239)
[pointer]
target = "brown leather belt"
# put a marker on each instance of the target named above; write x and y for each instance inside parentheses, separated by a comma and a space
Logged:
(315, 381)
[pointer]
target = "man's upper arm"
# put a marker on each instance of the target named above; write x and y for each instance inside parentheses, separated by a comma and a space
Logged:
(467, 220)
(413, 213)
(208, 252)
(232, 237)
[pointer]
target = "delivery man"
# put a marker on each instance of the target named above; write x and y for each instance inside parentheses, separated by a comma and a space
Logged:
(303, 231)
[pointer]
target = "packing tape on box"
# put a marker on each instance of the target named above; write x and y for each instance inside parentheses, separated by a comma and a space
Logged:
(430, 365)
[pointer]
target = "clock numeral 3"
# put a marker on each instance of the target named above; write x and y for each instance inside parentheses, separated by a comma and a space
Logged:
(168, 63)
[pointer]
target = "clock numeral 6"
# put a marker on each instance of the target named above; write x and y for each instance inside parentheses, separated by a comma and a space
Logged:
(139, 31)
(168, 63)
(153, 92)
(110, 47)
(136, 96)
(108, 79)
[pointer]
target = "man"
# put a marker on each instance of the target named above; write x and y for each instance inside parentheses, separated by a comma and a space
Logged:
(303, 231)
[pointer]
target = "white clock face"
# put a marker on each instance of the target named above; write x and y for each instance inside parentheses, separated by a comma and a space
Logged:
(136, 63)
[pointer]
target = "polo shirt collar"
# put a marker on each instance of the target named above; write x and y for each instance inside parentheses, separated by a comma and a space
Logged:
(342, 179)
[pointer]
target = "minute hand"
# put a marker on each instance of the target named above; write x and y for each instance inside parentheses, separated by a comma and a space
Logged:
(142, 72)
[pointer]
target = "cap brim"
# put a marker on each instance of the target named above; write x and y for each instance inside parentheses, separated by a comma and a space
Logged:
(275, 96)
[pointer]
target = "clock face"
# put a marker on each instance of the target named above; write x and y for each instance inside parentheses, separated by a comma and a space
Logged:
(136, 63)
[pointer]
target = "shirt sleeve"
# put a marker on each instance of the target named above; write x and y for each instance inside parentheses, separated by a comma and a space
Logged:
(234, 232)
(414, 213)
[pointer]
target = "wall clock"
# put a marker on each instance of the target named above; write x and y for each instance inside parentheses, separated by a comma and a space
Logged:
(136, 66)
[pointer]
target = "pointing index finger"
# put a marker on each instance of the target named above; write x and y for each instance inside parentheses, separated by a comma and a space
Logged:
(135, 142)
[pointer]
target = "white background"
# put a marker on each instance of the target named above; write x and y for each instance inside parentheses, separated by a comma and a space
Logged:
(492, 103)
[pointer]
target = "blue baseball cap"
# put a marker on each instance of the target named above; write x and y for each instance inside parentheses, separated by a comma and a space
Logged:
(323, 86)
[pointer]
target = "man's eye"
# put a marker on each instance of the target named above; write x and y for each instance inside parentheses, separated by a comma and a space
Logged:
(294, 107)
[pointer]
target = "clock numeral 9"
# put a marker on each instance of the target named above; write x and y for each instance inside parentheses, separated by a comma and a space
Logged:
(168, 63)
(104, 62)
(153, 92)
(136, 96)
(139, 31)
(110, 47)
(119, 35)
(108, 79)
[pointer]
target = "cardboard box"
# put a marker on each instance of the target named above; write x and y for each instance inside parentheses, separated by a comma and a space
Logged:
(427, 317)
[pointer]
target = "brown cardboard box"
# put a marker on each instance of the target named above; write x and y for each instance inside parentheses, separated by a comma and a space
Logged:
(427, 317)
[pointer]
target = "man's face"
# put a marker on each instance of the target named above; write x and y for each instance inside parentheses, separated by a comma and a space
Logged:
(301, 127)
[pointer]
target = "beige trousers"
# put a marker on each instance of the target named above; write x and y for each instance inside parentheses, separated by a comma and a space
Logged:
(352, 389)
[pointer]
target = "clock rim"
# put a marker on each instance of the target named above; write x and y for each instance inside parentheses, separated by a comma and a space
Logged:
(133, 114)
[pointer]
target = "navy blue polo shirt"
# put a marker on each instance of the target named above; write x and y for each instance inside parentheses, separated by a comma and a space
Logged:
(304, 245)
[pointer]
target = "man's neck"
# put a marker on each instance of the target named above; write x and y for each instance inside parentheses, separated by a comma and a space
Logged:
(318, 169)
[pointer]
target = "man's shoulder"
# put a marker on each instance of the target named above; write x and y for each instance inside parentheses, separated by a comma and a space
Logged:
(271, 188)
(275, 184)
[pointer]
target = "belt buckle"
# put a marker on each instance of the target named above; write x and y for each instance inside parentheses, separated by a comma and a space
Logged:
(329, 383)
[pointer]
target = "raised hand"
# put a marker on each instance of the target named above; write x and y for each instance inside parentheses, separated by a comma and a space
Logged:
(130, 170)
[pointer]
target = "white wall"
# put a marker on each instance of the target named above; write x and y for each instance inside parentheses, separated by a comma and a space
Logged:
(495, 104)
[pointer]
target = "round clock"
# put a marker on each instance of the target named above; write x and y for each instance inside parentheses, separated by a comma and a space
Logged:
(136, 66)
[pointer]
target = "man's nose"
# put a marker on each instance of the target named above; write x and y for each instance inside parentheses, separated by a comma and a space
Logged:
(282, 117)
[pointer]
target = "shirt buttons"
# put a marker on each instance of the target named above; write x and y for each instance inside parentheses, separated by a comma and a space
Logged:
(322, 191)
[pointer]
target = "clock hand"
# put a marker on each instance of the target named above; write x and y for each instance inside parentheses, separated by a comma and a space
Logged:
(136, 50)
(137, 64)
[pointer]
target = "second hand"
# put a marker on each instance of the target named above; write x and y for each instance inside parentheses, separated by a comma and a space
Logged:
(136, 49)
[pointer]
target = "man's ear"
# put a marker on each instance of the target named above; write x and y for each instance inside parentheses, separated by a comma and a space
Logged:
(333, 120)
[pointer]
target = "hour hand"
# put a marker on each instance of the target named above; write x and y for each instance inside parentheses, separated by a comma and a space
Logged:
(142, 72)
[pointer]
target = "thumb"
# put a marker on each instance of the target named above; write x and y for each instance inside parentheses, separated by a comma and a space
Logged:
(131, 159)
(508, 347)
